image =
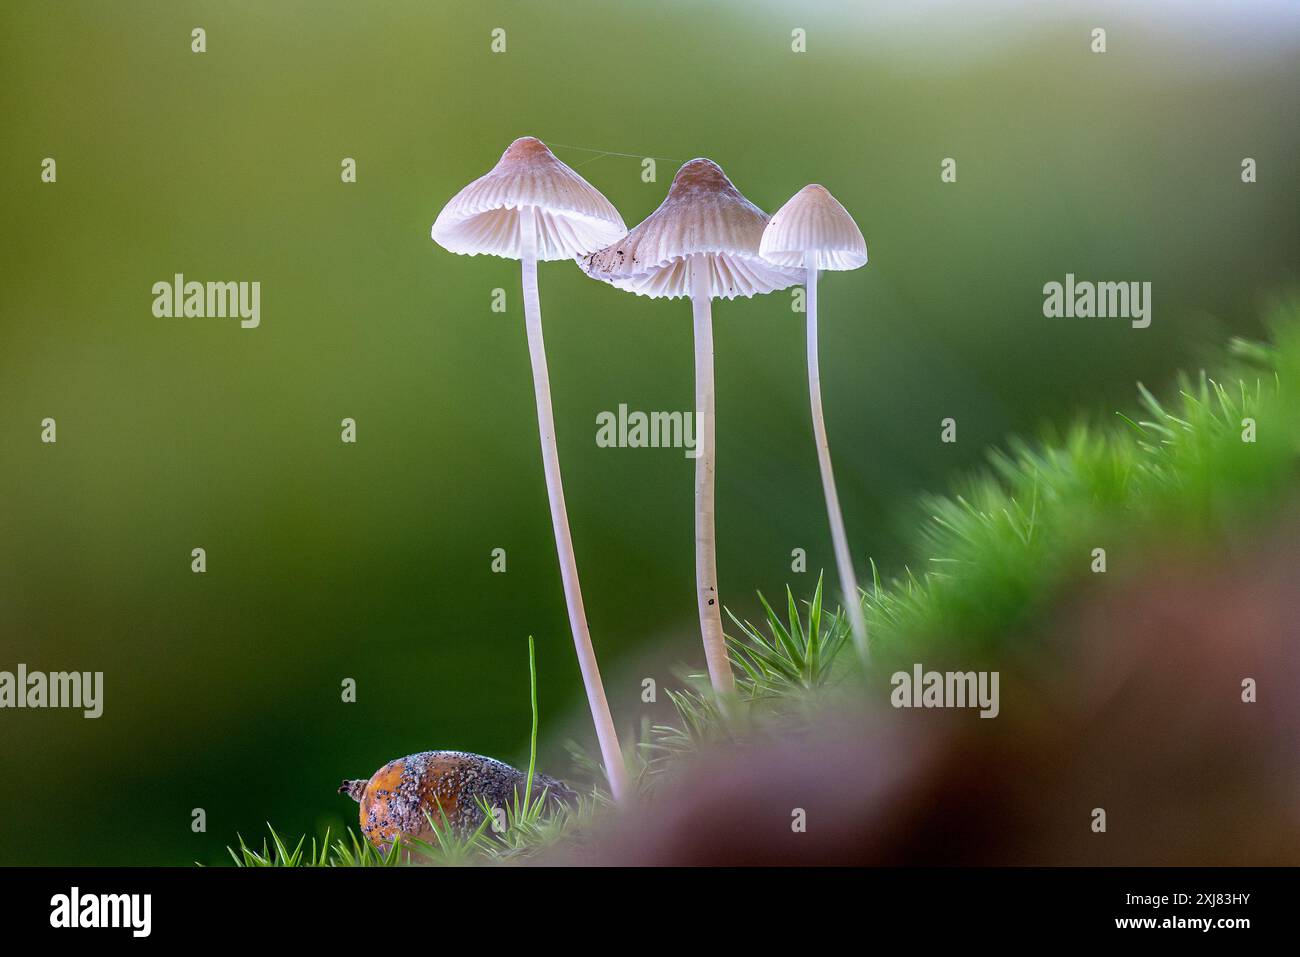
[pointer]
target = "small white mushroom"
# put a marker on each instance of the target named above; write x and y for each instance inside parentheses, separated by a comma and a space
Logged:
(531, 206)
(815, 232)
(701, 242)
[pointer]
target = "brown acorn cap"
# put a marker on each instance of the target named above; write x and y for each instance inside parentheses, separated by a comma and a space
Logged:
(572, 216)
(703, 214)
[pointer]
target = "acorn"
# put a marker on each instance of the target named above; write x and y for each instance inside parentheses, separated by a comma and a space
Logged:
(441, 783)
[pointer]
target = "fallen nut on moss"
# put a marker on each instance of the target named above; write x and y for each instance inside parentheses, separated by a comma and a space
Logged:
(397, 797)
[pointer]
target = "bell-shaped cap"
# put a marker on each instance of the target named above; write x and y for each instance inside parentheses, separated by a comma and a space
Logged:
(813, 221)
(703, 220)
(572, 217)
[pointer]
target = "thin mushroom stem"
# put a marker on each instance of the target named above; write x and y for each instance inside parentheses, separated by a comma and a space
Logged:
(843, 560)
(606, 735)
(706, 561)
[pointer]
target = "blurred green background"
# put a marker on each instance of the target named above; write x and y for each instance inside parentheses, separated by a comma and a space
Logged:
(328, 561)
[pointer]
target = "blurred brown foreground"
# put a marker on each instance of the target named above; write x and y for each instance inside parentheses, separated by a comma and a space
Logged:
(1132, 702)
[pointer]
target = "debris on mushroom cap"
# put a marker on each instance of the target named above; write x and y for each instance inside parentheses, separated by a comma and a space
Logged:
(446, 786)
(572, 216)
(703, 213)
(813, 221)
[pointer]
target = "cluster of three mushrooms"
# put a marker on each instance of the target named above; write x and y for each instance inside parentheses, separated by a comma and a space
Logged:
(705, 241)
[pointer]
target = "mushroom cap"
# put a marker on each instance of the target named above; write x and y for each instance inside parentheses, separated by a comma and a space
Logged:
(572, 216)
(813, 221)
(703, 214)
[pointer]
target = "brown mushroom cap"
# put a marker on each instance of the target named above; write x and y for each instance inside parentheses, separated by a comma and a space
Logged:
(703, 214)
(813, 221)
(572, 216)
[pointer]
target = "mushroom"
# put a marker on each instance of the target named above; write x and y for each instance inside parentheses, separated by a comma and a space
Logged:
(814, 231)
(531, 206)
(701, 242)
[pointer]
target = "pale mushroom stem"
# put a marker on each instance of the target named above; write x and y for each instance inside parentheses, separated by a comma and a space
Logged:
(606, 735)
(844, 561)
(706, 562)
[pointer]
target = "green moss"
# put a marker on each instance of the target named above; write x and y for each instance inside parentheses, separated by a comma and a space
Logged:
(1000, 551)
